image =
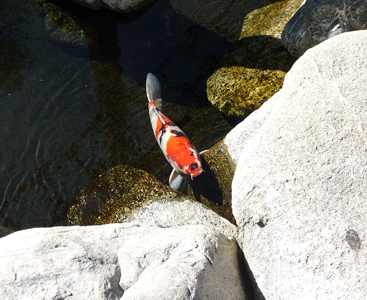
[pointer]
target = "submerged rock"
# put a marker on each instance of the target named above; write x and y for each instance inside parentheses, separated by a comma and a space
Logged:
(116, 5)
(317, 20)
(62, 27)
(120, 261)
(115, 194)
(238, 90)
(299, 185)
(255, 70)
(234, 19)
(4, 231)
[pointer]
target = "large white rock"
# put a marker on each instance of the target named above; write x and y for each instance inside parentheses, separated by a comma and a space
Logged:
(299, 190)
(119, 261)
(170, 213)
(239, 136)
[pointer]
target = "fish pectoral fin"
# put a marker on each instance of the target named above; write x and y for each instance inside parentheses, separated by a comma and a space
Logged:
(203, 152)
(176, 179)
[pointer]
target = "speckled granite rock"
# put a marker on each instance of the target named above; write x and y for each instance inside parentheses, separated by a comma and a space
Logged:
(300, 181)
(170, 212)
(255, 70)
(239, 136)
(120, 261)
(317, 20)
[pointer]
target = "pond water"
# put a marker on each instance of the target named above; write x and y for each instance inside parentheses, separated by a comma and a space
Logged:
(70, 112)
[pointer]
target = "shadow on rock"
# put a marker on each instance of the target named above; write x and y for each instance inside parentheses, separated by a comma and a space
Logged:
(248, 279)
(213, 187)
(207, 186)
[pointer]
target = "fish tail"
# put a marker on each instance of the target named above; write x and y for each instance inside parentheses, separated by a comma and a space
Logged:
(153, 88)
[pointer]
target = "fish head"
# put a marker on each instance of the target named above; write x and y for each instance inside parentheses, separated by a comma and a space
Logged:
(194, 169)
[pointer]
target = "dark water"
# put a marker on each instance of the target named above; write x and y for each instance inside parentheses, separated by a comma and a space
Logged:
(68, 113)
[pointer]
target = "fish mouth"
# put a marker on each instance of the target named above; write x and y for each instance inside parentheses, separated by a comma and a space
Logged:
(197, 173)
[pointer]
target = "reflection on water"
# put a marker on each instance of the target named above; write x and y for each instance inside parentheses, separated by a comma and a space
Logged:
(66, 117)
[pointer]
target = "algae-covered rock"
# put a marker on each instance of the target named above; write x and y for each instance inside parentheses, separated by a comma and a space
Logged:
(255, 70)
(116, 193)
(237, 19)
(237, 90)
(62, 27)
(119, 192)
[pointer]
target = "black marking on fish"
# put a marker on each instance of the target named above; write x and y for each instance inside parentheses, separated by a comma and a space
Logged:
(162, 131)
(178, 133)
(193, 166)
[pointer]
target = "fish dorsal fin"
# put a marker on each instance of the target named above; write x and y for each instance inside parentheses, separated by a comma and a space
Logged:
(153, 89)
(176, 179)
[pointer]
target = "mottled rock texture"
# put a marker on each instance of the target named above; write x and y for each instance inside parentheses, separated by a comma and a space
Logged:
(300, 183)
(116, 5)
(119, 261)
(317, 20)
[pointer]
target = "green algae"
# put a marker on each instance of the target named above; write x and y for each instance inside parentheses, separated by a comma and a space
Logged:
(228, 83)
(62, 27)
(269, 20)
(115, 194)
(255, 70)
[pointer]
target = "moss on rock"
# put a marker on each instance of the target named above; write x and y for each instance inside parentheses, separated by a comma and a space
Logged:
(115, 194)
(255, 70)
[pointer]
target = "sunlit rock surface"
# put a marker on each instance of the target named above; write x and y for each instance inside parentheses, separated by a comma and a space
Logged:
(120, 261)
(238, 90)
(317, 20)
(255, 70)
(300, 180)
(171, 212)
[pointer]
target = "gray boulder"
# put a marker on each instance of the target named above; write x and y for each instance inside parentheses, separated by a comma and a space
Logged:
(116, 5)
(300, 184)
(317, 20)
(239, 136)
(119, 261)
(171, 212)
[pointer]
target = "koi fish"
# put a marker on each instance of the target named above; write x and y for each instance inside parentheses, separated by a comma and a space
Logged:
(175, 145)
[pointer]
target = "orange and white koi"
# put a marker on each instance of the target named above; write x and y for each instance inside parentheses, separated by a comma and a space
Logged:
(175, 145)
